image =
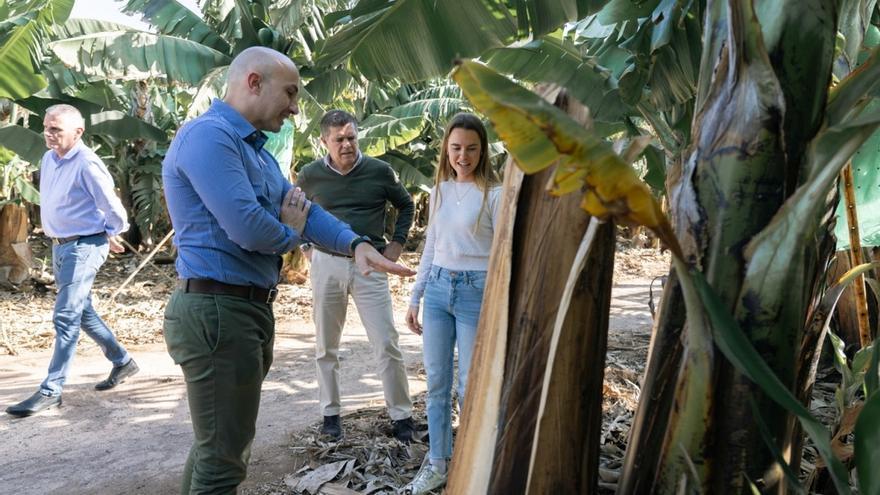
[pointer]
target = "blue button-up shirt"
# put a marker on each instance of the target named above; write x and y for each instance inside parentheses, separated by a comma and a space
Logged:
(224, 194)
(77, 196)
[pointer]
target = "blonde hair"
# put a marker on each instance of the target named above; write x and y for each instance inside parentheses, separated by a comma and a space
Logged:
(484, 174)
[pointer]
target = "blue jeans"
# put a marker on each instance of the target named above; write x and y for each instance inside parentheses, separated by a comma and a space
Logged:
(75, 265)
(451, 313)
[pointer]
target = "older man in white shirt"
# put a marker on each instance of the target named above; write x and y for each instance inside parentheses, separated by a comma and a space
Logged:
(82, 214)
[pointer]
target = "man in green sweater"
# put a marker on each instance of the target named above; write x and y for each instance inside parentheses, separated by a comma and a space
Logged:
(356, 189)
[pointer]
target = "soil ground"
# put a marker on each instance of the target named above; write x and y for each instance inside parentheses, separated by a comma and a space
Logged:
(135, 438)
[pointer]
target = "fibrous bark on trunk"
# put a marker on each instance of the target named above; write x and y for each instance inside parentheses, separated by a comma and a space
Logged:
(15, 254)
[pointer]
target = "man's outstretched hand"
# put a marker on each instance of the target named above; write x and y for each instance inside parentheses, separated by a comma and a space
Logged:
(369, 260)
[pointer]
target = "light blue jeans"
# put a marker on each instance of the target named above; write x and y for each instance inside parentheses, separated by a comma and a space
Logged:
(451, 313)
(75, 265)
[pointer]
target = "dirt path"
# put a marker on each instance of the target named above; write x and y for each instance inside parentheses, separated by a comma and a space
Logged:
(134, 439)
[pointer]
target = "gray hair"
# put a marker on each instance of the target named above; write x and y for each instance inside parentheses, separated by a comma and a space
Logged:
(68, 111)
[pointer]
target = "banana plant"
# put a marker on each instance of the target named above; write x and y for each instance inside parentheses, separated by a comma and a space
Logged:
(612, 190)
(26, 27)
(738, 100)
(15, 183)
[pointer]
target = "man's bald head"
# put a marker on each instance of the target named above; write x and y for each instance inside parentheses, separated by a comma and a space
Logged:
(257, 59)
(263, 85)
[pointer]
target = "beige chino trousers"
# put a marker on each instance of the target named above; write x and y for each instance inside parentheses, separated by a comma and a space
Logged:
(334, 278)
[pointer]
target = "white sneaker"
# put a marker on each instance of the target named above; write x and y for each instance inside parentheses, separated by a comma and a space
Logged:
(426, 480)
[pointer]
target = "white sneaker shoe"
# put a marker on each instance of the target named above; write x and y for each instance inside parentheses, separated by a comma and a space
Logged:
(426, 480)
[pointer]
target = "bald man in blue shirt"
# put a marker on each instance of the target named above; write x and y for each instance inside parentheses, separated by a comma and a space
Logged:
(234, 214)
(82, 215)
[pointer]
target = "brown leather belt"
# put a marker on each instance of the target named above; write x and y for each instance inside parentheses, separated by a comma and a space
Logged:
(65, 240)
(207, 286)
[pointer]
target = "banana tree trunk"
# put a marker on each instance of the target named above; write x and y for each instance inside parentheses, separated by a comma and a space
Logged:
(529, 427)
(658, 391)
(749, 136)
(565, 449)
(15, 253)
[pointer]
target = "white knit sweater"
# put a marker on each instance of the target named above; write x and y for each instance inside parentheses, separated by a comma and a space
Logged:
(456, 238)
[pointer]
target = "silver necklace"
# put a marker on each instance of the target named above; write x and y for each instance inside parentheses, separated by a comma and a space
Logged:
(459, 197)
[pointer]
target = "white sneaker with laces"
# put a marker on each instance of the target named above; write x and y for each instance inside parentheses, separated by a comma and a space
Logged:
(426, 480)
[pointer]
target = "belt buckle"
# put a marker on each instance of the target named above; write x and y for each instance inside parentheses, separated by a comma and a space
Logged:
(271, 297)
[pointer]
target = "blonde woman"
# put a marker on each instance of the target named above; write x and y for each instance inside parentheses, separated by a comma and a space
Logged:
(451, 278)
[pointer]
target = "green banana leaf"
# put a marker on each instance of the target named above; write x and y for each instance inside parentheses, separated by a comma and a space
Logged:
(551, 60)
(790, 476)
(280, 145)
(173, 19)
(246, 32)
(799, 32)
(26, 190)
(121, 126)
(220, 15)
(210, 87)
(866, 178)
(105, 94)
(329, 85)
(27, 144)
(853, 19)
(80, 27)
(409, 170)
(62, 81)
(624, 10)
(544, 16)
(378, 133)
(872, 375)
(867, 444)
(414, 40)
(138, 55)
(21, 41)
(846, 96)
(656, 169)
(438, 104)
(287, 16)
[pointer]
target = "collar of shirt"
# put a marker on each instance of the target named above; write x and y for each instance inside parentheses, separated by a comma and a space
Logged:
(243, 128)
(71, 154)
(329, 163)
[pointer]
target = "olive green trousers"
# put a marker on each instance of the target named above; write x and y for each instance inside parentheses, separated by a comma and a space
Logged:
(223, 344)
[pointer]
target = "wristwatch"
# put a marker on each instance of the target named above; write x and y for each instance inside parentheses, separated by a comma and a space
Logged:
(356, 241)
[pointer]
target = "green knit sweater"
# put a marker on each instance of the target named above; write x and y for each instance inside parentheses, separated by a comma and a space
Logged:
(360, 197)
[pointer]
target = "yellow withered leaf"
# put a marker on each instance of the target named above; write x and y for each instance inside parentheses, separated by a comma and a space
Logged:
(538, 135)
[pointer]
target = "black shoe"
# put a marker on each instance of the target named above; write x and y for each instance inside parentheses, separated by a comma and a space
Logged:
(332, 427)
(118, 375)
(34, 404)
(404, 429)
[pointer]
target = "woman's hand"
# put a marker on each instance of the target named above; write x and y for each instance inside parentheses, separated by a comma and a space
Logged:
(412, 320)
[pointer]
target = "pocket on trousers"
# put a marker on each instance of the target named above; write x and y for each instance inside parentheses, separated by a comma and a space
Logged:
(191, 326)
(477, 280)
